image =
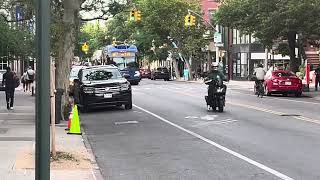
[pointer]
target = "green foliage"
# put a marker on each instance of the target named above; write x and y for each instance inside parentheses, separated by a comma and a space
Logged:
(15, 42)
(271, 20)
(160, 19)
(94, 34)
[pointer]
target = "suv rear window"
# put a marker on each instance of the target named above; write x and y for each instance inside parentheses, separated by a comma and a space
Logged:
(100, 74)
(283, 74)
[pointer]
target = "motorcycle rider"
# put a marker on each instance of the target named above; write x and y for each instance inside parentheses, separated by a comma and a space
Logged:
(214, 75)
(260, 73)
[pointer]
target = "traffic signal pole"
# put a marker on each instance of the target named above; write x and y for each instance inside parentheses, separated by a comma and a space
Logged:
(42, 160)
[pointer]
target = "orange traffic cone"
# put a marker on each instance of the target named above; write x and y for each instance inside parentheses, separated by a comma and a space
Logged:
(75, 122)
(69, 121)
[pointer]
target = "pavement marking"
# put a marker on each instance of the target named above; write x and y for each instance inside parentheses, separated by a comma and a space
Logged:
(191, 117)
(226, 121)
(238, 155)
(209, 117)
(126, 122)
(302, 118)
(271, 98)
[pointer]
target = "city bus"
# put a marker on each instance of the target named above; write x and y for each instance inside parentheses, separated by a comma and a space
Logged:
(125, 57)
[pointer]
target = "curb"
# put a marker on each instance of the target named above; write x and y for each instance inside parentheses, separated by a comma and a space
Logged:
(96, 172)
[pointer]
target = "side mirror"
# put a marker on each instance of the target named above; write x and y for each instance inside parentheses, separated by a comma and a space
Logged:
(127, 76)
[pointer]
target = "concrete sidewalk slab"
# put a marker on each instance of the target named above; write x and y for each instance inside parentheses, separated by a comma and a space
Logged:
(17, 146)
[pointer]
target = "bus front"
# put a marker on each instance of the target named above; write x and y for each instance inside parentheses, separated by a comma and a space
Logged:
(126, 60)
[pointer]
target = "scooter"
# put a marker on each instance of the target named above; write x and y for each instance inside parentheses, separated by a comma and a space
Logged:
(218, 95)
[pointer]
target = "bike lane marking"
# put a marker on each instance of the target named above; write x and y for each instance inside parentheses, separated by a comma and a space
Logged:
(301, 118)
(225, 149)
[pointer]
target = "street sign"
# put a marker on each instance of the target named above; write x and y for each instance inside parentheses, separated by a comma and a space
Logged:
(85, 47)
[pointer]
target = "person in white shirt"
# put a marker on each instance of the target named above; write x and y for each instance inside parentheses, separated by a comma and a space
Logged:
(30, 77)
(260, 74)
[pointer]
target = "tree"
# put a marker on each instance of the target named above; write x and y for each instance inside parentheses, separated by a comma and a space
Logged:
(273, 21)
(160, 19)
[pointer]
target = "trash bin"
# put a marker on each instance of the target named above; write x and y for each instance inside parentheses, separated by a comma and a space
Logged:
(59, 93)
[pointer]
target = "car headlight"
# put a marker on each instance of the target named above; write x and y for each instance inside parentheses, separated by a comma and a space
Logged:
(137, 74)
(125, 86)
(88, 90)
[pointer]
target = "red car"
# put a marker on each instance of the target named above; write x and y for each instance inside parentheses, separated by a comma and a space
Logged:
(145, 73)
(283, 82)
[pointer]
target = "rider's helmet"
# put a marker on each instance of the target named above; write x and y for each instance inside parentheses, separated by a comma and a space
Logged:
(214, 65)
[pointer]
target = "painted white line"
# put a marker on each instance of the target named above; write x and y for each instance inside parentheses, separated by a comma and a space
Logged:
(242, 157)
(280, 99)
(225, 122)
(126, 122)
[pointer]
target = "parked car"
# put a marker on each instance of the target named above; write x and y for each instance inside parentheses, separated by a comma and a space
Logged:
(101, 86)
(73, 75)
(1, 76)
(283, 82)
(161, 73)
(145, 73)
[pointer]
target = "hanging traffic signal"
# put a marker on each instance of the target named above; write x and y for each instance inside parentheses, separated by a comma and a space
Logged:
(132, 15)
(193, 20)
(187, 20)
(138, 16)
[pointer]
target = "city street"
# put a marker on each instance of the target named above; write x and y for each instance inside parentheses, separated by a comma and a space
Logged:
(170, 135)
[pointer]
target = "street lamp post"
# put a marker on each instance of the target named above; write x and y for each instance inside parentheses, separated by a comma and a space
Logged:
(42, 161)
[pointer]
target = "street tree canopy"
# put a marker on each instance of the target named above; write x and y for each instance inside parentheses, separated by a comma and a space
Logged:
(273, 20)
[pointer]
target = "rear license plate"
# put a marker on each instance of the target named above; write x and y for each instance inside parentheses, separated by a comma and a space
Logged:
(107, 95)
(288, 83)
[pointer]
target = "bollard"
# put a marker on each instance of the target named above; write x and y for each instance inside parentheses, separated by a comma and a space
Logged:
(58, 93)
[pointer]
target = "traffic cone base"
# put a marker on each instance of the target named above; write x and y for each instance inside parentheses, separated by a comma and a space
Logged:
(70, 119)
(75, 123)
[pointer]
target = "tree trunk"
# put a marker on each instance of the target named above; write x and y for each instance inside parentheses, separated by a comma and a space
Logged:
(294, 62)
(176, 69)
(63, 64)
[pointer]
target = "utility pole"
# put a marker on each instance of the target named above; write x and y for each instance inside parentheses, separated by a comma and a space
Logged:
(42, 161)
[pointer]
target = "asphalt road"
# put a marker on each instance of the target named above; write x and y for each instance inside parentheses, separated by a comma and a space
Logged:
(169, 135)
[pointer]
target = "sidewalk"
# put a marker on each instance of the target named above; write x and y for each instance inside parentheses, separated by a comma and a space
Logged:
(17, 145)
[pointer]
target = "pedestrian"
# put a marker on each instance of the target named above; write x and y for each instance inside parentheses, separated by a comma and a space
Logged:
(30, 78)
(24, 82)
(317, 81)
(9, 79)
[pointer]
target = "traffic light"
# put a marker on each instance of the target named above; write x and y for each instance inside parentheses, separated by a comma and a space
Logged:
(193, 20)
(132, 15)
(138, 16)
(187, 20)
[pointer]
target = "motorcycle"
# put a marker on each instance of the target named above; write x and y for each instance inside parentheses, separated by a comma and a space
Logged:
(217, 90)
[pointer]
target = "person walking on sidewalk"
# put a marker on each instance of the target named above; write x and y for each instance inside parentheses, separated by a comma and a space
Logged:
(24, 82)
(30, 78)
(9, 80)
(317, 80)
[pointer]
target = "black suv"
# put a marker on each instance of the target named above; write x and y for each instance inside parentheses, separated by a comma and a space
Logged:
(100, 86)
(161, 73)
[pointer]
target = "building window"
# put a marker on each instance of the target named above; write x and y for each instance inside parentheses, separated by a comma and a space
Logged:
(234, 36)
(211, 13)
(3, 64)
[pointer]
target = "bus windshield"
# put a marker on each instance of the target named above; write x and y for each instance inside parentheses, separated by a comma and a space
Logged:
(125, 62)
